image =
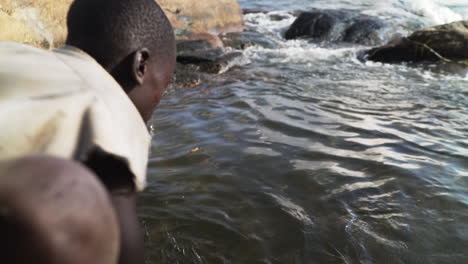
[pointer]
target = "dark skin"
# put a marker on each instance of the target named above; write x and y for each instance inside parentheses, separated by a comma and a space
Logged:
(55, 211)
(147, 78)
(81, 212)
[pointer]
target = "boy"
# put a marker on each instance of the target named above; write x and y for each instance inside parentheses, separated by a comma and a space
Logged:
(74, 145)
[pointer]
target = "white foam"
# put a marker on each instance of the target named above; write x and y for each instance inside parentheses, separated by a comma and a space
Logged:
(436, 11)
(296, 51)
(300, 51)
(263, 22)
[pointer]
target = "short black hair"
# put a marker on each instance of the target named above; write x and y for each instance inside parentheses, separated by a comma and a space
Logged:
(111, 30)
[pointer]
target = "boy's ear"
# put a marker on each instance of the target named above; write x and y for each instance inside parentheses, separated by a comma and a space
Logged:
(140, 65)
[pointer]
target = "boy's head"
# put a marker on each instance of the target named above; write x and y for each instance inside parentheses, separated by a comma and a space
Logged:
(132, 39)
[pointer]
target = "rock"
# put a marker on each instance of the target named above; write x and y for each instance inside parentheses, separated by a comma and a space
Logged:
(187, 76)
(41, 23)
(197, 60)
(212, 40)
(185, 47)
(337, 26)
(277, 17)
(215, 17)
(197, 23)
(364, 30)
(193, 71)
(253, 11)
(15, 29)
(208, 59)
(200, 57)
(244, 40)
(447, 43)
(221, 64)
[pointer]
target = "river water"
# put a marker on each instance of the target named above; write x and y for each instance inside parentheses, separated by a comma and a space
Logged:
(304, 154)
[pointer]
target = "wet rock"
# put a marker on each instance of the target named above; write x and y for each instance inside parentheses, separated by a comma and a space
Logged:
(244, 40)
(210, 61)
(337, 26)
(193, 46)
(448, 43)
(222, 63)
(200, 56)
(192, 72)
(278, 17)
(198, 59)
(187, 76)
(253, 11)
(364, 30)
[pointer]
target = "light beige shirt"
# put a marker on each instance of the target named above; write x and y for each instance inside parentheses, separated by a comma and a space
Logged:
(63, 103)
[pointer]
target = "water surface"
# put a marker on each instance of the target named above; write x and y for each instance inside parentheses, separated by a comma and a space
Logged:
(303, 154)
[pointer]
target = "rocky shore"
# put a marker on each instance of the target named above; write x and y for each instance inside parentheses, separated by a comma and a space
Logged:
(42, 23)
(198, 26)
(210, 34)
(444, 43)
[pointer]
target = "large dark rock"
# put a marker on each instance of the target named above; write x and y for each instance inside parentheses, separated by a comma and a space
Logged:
(447, 43)
(337, 26)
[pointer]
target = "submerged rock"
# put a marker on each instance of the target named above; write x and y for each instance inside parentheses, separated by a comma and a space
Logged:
(446, 43)
(187, 76)
(244, 40)
(185, 47)
(198, 59)
(247, 11)
(208, 59)
(337, 26)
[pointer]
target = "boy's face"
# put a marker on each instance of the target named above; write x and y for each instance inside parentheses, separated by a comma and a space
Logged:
(156, 79)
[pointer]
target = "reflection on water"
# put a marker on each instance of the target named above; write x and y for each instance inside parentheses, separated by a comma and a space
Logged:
(306, 155)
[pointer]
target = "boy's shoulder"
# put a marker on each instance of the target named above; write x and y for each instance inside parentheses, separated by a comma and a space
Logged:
(26, 71)
(47, 98)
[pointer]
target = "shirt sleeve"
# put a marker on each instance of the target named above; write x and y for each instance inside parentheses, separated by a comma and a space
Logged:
(115, 126)
(63, 103)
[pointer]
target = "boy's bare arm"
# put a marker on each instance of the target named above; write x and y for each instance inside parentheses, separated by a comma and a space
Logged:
(118, 180)
(131, 239)
(54, 211)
